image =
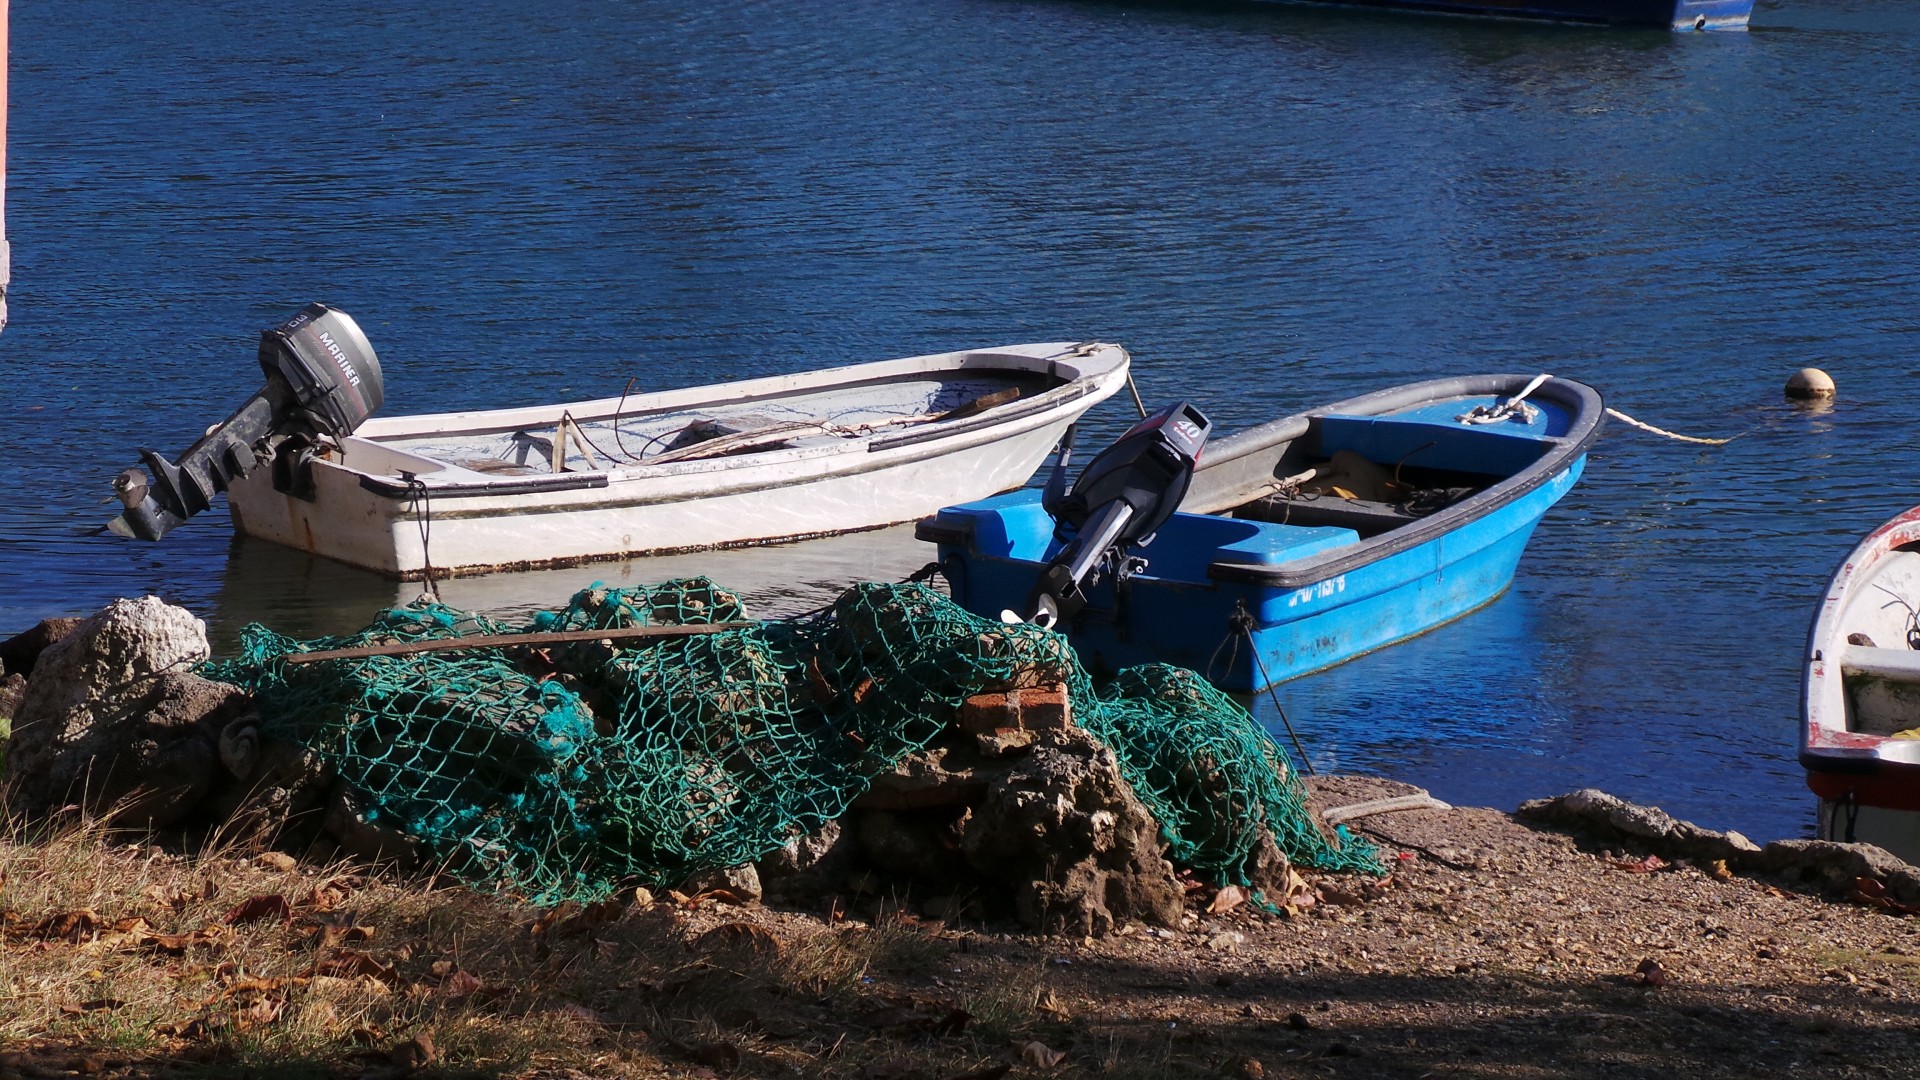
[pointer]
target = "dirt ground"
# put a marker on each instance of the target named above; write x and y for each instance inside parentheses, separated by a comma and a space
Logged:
(1494, 949)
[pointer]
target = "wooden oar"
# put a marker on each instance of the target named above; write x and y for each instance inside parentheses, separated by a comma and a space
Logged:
(501, 641)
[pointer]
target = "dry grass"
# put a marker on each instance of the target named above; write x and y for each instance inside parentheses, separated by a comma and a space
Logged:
(137, 957)
(1515, 959)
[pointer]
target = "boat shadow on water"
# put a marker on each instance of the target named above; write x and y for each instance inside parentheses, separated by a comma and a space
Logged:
(304, 595)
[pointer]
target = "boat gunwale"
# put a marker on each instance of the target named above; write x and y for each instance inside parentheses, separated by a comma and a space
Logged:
(1829, 751)
(727, 482)
(1063, 363)
(1081, 375)
(1589, 416)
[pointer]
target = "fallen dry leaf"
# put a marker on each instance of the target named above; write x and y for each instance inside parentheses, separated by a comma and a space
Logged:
(256, 908)
(1873, 893)
(352, 963)
(70, 926)
(176, 944)
(1228, 898)
(459, 984)
(332, 937)
(258, 1013)
(416, 1053)
(168, 896)
(194, 1029)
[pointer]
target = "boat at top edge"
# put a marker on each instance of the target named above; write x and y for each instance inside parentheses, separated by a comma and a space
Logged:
(1666, 14)
(739, 463)
(1860, 694)
(1309, 540)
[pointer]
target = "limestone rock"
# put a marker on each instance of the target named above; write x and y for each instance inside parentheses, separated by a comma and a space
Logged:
(1839, 865)
(910, 847)
(13, 690)
(940, 775)
(808, 864)
(18, 653)
(271, 782)
(1646, 826)
(1268, 869)
(362, 836)
(742, 881)
(1081, 852)
(113, 720)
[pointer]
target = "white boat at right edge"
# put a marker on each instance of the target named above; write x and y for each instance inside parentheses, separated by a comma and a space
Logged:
(1860, 694)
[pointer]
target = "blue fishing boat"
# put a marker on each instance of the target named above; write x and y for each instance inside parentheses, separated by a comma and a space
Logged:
(1303, 542)
(1668, 14)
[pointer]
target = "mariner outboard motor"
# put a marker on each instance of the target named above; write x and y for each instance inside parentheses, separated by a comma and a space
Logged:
(322, 381)
(1123, 497)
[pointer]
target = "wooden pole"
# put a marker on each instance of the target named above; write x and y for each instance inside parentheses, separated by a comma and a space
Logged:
(501, 641)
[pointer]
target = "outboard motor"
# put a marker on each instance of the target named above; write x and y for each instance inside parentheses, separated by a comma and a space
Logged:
(322, 381)
(1123, 497)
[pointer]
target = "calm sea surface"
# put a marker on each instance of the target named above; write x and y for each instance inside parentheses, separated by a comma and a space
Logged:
(1271, 207)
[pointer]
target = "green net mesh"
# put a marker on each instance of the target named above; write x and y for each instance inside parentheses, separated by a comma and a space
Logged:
(561, 770)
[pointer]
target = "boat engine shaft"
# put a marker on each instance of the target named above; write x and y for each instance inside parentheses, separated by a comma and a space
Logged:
(1125, 494)
(323, 379)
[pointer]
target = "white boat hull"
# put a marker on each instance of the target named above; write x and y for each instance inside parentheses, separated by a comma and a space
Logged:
(1860, 739)
(377, 505)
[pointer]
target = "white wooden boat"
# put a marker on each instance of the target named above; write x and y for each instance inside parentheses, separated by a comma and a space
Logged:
(733, 464)
(1860, 694)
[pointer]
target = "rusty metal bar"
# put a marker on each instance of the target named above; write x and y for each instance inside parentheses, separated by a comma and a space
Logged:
(501, 641)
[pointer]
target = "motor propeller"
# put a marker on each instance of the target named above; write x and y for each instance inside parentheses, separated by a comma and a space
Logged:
(1122, 498)
(323, 379)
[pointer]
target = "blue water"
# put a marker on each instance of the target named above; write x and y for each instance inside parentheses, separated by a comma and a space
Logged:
(1272, 207)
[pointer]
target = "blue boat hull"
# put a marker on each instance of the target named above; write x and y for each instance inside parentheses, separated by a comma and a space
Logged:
(1247, 601)
(1667, 14)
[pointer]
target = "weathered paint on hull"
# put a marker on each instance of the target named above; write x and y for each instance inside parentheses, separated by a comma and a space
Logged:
(350, 524)
(1855, 697)
(1666, 14)
(1295, 631)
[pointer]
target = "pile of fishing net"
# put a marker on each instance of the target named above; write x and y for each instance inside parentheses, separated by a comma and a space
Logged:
(561, 770)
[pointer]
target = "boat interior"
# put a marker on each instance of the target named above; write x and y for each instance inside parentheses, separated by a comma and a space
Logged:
(1373, 474)
(1880, 669)
(607, 434)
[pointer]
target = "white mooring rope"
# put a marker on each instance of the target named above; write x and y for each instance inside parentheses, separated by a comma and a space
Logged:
(1631, 422)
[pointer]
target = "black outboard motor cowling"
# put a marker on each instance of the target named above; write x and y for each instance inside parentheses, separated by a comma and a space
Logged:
(1123, 497)
(323, 379)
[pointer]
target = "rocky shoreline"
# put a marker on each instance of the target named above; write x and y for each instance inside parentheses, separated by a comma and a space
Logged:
(1579, 936)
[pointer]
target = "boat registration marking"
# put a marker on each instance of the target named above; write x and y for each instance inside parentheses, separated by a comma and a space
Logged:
(1321, 590)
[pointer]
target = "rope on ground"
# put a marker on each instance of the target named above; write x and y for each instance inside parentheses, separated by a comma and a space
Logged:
(1664, 433)
(1418, 801)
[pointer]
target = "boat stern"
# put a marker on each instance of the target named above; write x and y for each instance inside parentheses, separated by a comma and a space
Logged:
(1711, 14)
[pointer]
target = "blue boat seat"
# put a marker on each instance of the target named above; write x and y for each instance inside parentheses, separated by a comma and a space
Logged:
(1384, 440)
(1189, 543)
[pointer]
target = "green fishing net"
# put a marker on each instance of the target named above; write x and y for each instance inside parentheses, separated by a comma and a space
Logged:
(560, 770)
